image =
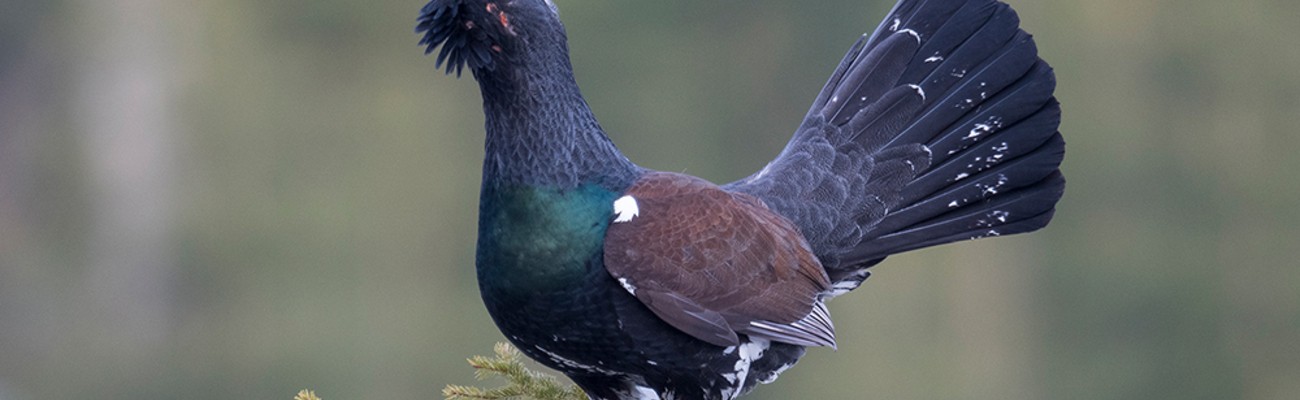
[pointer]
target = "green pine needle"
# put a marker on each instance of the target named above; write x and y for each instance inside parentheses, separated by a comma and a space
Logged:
(522, 383)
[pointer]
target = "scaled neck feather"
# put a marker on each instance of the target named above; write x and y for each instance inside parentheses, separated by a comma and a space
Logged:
(540, 131)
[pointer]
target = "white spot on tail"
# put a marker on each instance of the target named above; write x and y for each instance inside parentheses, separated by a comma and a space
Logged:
(625, 208)
(934, 58)
(918, 90)
(979, 130)
(913, 33)
(992, 124)
(993, 218)
(999, 215)
(992, 188)
(894, 26)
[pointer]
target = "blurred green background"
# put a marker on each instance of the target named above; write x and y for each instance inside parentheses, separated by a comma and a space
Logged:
(237, 199)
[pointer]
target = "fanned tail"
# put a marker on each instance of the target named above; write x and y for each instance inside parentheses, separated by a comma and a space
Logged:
(939, 127)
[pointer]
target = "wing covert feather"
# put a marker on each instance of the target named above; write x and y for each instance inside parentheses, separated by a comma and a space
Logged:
(711, 262)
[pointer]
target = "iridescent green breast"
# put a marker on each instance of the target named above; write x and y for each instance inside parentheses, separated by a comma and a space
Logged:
(535, 238)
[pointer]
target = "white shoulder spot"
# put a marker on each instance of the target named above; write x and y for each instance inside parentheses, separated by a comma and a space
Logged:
(625, 209)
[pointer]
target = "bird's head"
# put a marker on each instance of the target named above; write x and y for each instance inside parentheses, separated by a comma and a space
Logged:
(487, 35)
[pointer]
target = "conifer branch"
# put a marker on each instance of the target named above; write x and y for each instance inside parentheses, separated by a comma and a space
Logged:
(522, 383)
(306, 395)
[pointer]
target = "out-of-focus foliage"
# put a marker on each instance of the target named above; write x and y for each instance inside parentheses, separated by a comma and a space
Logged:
(236, 199)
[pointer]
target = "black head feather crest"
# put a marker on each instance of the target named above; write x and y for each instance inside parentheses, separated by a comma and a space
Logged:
(469, 31)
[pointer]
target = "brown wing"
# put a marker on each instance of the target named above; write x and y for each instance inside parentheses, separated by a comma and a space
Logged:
(714, 263)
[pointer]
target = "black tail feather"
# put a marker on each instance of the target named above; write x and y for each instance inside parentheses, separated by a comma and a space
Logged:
(939, 127)
(869, 79)
(1012, 143)
(1001, 111)
(963, 84)
(1018, 211)
(972, 16)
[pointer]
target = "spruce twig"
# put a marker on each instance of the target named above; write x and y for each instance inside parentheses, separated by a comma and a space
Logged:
(306, 395)
(522, 383)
